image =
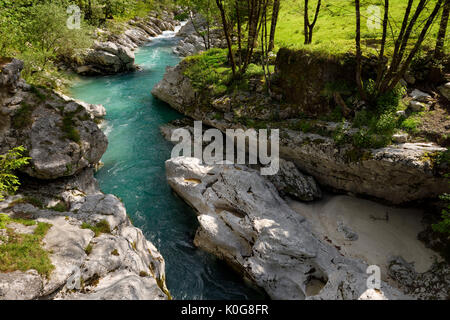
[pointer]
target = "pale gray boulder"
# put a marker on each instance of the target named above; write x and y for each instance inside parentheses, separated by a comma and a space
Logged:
(120, 264)
(244, 221)
(59, 133)
(290, 181)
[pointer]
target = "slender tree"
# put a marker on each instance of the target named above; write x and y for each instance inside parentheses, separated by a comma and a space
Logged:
(438, 52)
(404, 50)
(273, 24)
(359, 82)
(226, 29)
(309, 26)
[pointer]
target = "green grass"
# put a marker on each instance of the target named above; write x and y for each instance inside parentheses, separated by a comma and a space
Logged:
(22, 118)
(209, 70)
(334, 32)
(68, 127)
(59, 207)
(28, 199)
(88, 249)
(99, 228)
(411, 123)
(24, 251)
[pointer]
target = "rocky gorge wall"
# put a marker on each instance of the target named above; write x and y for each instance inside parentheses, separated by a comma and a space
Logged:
(58, 188)
(115, 52)
(400, 173)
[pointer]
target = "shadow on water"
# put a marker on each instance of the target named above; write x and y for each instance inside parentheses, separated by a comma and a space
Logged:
(134, 171)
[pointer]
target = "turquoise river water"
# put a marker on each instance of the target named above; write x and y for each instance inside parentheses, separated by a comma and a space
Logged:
(134, 171)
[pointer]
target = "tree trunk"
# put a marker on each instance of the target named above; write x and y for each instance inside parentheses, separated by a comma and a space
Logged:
(309, 27)
(380, 69)
(403, 67)
(438, 52)
(239, 32)
(359, 83)
(273, 24)
(227, 36)
(306, 22)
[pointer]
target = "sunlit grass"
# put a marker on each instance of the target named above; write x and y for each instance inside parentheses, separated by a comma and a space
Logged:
(335, 29)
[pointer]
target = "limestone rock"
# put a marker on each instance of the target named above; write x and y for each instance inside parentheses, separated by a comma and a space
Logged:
(399, 173)
(445, 90)
(115, 55)
(58, 133)
(417, 106)
(121, 264)
(290, 181)
(19, 285)
(175, 89)
(244, 221)
(400, 137)
(420, 96)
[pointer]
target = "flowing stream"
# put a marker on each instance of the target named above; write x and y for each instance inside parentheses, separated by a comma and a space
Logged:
(134, 171)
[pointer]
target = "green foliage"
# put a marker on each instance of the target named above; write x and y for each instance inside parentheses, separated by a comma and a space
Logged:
(444, 225)
(88, 249)
(335, 30)
(60, 207)
(9, 162)
(49, 35)
(388, 102)
(207, 70)
(69, 128)
(28, 199)
(99, 228)
(22, 118)
(411, 123)
(24, 251)
(182, 16)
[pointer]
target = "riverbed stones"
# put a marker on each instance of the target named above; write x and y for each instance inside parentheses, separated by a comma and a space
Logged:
(244, 221)
(433, 284)
(400, 137)
(420, 96)
(417, 106)
(115, 54)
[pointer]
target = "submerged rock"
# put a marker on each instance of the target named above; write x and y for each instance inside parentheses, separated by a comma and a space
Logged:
(244, 221)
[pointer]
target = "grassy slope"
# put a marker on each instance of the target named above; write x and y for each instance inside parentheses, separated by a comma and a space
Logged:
(335, 29)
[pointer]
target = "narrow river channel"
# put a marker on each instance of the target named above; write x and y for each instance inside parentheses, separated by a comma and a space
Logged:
(134, 171)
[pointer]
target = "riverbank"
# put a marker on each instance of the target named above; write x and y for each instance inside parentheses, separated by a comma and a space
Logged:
(133, 169)
(405, 172)
(78, 242)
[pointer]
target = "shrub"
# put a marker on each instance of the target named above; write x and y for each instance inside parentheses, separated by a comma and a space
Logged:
(68, 127)
(9, 162)
(22, 118)
(444, 225)
(99, 228)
